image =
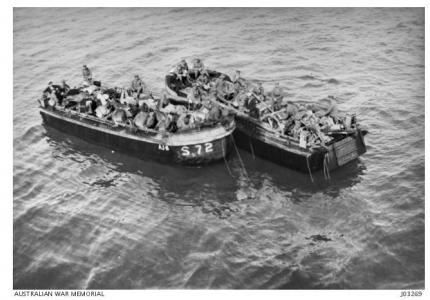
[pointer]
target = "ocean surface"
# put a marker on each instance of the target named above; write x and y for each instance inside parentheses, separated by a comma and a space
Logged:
(85, 217)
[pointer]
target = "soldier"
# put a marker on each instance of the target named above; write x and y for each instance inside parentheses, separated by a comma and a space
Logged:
(277, 92)
(260, 89)
(86, 74)
(64, 87)
(49, 88)
(138, 86)
(198, 67)
(239, 82)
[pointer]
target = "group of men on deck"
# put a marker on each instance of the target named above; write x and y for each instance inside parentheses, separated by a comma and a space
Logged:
(207, 89)
(135, 104)
(271, 108)
(238, 90)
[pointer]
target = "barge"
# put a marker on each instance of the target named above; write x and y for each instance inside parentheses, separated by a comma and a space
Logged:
(255, 136)
(201, 145)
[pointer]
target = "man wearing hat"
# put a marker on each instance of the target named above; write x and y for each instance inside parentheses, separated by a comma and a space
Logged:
(86, 73)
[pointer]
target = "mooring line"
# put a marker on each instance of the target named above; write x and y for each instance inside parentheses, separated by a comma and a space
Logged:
(309, 168)
(240, 159)
(252, 148)
(225, 159)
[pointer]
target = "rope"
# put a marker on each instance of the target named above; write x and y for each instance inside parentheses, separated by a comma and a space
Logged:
(326, 162)
(240, 158)
(252, 148)
(309, 168)
(325, 168)
(225, 160)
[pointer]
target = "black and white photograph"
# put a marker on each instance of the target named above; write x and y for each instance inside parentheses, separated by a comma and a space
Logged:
(218, 148)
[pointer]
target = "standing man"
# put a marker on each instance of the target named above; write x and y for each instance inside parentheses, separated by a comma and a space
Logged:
(87, 75)
(239, 82)
(198, 67)
(277, 95)
(138, 86)
(277, 92)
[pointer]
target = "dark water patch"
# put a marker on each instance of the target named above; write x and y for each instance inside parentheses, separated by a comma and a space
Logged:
(313, 85)
(308, 77)
(169, 49)
(109, 180)
(332, 81)
(323, 49)
(316, 238)
(39, 53)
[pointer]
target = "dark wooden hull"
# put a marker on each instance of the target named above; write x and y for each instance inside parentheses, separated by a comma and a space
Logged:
(251, 137)
(193, 148)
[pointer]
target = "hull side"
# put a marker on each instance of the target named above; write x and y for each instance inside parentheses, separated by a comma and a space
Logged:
(279, 156)
(190, 154)
(250, 139)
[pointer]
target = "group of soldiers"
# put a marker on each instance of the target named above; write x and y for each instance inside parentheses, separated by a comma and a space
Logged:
(138, 105)
(308, 123)
(135, 105)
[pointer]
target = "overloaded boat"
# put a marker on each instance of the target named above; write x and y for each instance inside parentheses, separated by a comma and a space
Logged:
(310, 145)
(204, 142)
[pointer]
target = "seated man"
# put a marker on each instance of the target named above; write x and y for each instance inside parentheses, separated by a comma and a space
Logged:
(151, 121)
(183, 67)
(219, 86)
(198, 67)
(184, 122)
(53, 100)
(180, 70)
(86, 74)
(62, 91)
(64, 88)
(90, 103)
(194, 96)
(251, 105)
(142, 117)
(103, 106)
(49, 88)
(203, 81)
(258, 92)
(126, 98)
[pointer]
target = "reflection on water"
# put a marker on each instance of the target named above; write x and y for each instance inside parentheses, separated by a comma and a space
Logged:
(181, 185)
